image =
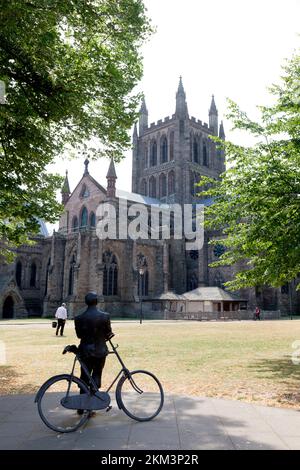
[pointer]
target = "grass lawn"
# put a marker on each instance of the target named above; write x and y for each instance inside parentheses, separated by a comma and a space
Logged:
(248, 361)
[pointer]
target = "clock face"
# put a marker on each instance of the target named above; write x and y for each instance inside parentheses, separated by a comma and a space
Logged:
(219, 250)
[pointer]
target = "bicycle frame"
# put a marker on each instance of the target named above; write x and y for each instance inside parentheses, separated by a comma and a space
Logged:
(92, 383)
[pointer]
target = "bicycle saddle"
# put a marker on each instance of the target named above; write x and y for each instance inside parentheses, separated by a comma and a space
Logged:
(72, 348)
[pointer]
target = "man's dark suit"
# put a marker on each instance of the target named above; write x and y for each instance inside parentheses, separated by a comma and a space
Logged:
(94, 329)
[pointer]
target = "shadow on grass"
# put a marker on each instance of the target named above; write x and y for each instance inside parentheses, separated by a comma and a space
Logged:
(278, 368)
(8, 382)
(283, 371)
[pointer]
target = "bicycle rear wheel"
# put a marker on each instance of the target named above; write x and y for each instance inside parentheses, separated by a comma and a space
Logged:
(140, 395)
(54, 415)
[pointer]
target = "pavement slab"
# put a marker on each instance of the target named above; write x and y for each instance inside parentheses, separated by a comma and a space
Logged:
(185, 423)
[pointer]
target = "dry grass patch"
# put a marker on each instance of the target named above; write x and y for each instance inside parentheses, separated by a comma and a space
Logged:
(248, 361)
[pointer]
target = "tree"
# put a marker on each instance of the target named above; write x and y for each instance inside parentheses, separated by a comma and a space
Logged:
(257, 199)
(69, 68)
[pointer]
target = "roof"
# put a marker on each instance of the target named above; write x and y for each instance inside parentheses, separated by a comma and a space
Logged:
(111, 170)
(134, 197)
(170, 295)
(211, 293)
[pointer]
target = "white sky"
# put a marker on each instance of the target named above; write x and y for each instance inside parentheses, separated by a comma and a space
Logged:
(229, 48)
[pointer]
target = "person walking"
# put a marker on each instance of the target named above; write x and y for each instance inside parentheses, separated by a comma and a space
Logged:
(257, 314)
(61, 315)
(93, 328)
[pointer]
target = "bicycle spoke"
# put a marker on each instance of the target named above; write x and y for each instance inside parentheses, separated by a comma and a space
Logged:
(141, 396)
(53, 413)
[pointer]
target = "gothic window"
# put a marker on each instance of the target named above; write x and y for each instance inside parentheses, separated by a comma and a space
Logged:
(219, 281)
(205, 154)
(145, 155)
(171, 183)
(285, 289)
(193, 181)
(19, 273)
(71, 275)
(153, 153)
(144, 187)
(163, 149)
(143, 275)
(163, 185)
(47, 275)
(172, 145)
(152, 187)
(84, 217)
(92, 220)
(191, 146)
(84, 191)
(33, 275)
(219, 249)
(196, 150)
(193, 282)
(74, 224)
(110, 274)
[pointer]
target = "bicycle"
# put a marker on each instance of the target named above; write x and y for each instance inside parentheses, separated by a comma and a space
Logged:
(138, 393)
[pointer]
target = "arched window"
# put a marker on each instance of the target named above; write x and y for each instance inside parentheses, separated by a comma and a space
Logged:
(205, 155)
(143, 275)
(153, 153)
(47, 275)
(19, 274)
(171, 183)
(172, 145)
(152, 187)
(92, 220)
(71, 275)
(191, 145)
(75, 224)
(33, 275)
(110, 274)
(145, 155)
(194, 181)
(144, 187)
(193, 282)
(84, 217)
(163, 185)
(219, 281)
(163, 149)
(196, 150)
(84, 191)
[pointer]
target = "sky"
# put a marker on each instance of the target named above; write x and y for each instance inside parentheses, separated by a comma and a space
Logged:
(229, 48)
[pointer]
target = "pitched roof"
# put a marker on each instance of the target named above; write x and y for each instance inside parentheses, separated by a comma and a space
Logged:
(211, 293)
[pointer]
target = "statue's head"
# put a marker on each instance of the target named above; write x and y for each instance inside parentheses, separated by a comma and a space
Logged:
(91, 298)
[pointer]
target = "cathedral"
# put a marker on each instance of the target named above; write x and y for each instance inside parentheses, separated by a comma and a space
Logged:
(156, 275)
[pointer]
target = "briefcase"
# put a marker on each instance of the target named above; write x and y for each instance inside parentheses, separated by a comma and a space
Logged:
(54, 324)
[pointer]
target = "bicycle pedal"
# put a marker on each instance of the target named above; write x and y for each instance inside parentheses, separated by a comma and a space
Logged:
(108, 408)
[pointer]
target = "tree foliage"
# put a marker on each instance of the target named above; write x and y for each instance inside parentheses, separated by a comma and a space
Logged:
(257, 199)
(69, 68)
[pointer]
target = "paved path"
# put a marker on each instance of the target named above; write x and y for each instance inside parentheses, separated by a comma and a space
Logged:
(184, 423)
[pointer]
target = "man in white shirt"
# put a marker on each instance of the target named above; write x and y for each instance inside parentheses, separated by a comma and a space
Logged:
(61, 315)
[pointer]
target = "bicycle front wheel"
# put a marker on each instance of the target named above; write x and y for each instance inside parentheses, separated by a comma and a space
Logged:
(50, 408)
(140, 395)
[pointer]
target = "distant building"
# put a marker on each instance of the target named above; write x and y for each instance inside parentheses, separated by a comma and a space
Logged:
(168, 159)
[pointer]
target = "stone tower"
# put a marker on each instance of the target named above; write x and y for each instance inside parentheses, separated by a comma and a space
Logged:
(170, 156)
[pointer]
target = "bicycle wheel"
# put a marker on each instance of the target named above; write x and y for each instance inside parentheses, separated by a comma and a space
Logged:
(55, 416)
(140, 395)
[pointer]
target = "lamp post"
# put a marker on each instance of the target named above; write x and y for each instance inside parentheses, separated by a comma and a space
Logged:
(141, 272)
